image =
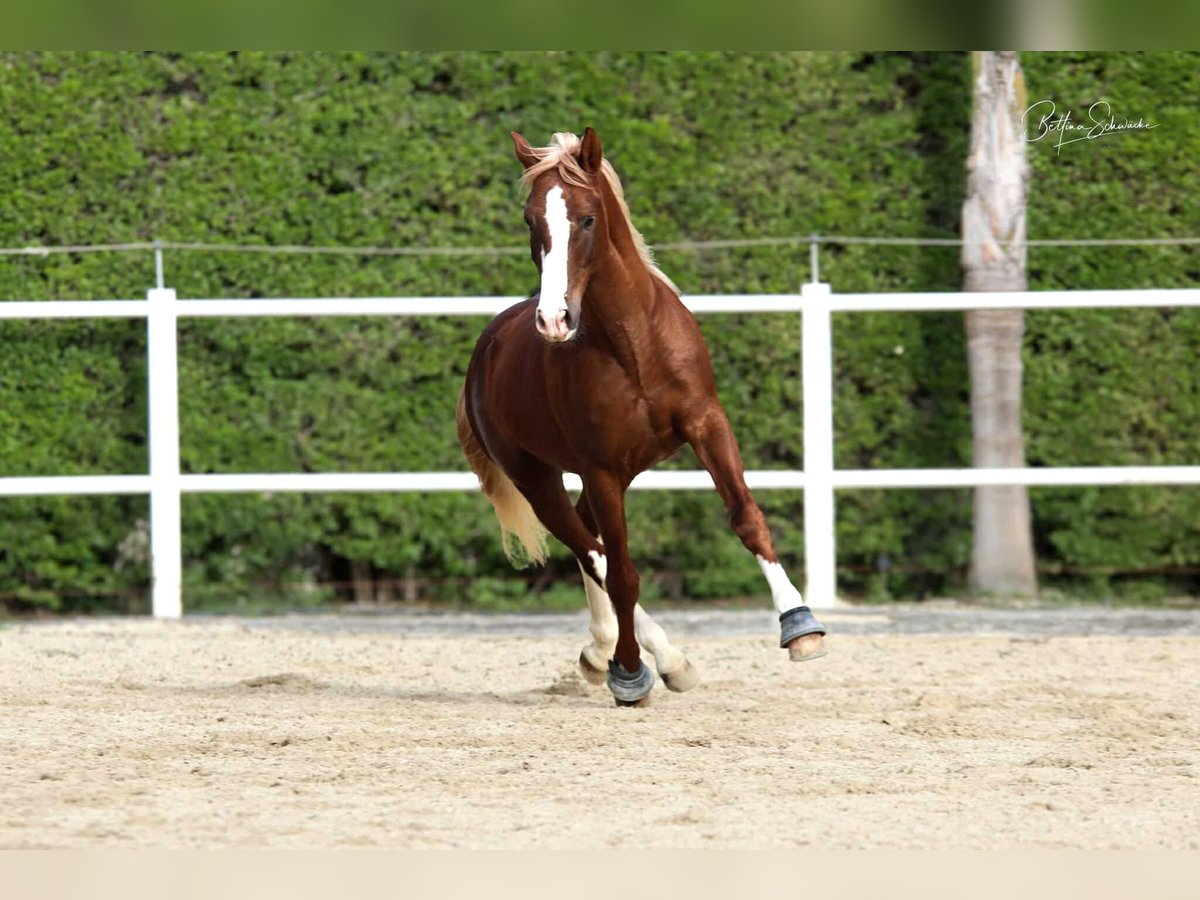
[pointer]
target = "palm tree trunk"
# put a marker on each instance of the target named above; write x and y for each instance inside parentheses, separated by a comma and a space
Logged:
(993, 257)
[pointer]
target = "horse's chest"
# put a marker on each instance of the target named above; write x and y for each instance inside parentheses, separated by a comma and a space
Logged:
(622, 425)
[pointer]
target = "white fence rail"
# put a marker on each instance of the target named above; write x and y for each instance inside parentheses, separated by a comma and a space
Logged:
(165, 484)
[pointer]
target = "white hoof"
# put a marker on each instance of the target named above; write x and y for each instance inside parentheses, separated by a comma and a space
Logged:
(683, 679)
(592, 673)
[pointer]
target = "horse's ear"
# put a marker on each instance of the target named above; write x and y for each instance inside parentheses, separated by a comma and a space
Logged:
(525, 155)
(590, 152)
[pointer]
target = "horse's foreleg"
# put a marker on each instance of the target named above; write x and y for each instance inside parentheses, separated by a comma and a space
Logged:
(717, 449)
(543, 488)
(576, 527)
(628, 679)
(677, 673)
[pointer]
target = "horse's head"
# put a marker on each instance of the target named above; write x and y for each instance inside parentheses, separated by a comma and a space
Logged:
(565, 214)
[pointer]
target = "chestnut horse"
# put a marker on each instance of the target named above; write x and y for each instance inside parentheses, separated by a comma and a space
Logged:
(603, 373)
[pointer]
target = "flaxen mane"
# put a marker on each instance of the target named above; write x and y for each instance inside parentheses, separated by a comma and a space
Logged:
(562, 154)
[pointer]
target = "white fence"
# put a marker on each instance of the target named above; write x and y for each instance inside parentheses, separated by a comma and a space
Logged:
(816, 304)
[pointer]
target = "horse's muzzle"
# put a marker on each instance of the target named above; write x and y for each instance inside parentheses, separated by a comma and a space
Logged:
(556, 326)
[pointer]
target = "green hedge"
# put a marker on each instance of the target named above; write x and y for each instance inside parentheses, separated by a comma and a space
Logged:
(411, 149)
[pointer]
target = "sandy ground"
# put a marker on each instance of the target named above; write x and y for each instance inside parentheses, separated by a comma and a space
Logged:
(219, 733)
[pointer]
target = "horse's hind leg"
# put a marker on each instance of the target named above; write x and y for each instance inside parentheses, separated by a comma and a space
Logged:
(717, 449)
(677, 673)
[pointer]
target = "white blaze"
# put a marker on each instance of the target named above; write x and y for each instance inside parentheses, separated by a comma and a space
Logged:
(553, 302)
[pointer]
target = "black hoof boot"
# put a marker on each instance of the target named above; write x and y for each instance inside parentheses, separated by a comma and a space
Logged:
(801, 623)
(629, 689)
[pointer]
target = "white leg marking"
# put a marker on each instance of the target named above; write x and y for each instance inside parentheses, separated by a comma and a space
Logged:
(600, 564)
(667, 659)
(783, 592)
(603, 626)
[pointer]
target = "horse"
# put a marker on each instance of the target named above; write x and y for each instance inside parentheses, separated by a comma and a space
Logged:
(604, 373)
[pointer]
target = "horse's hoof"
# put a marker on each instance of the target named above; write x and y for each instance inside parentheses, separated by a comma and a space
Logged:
(806, 647)
(629, 687)
(801, 634)
(683, 680)
(590, 673)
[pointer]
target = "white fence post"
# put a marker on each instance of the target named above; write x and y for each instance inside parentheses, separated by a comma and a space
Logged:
(820, 550)
(166, 543)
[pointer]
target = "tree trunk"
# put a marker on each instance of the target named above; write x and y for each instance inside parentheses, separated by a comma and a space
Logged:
(363, 581)
(993, 257)
(412, 587)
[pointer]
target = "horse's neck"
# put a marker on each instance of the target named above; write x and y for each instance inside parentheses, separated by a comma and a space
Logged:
(623, 293)
(624, 297)
(621, 313)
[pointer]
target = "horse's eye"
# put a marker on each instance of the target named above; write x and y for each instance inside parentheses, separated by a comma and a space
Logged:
(588, 222)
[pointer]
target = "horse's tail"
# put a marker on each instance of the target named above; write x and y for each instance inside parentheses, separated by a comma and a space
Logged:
(519, 524)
